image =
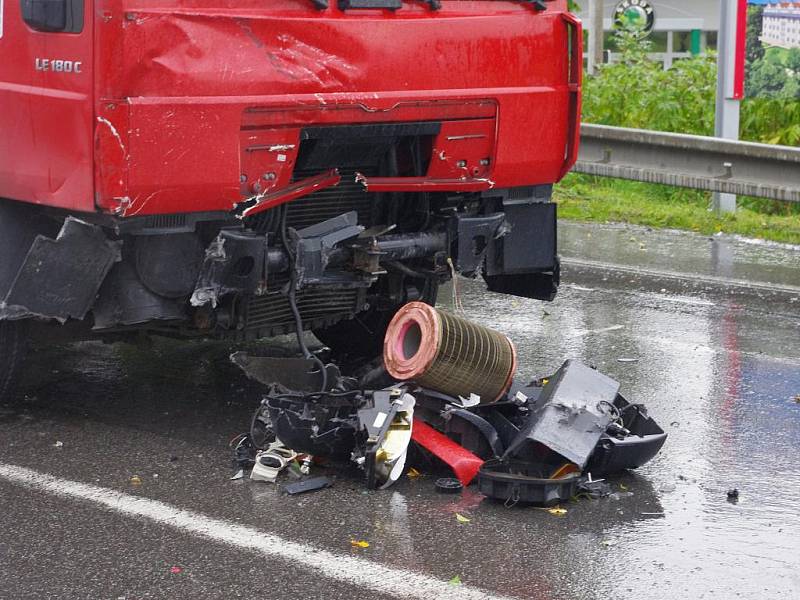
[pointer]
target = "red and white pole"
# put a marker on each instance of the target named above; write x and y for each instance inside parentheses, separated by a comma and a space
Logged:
(731, 41)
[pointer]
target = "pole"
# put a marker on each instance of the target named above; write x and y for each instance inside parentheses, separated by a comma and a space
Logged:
(696, 44)
(726, 118)
(595, 35)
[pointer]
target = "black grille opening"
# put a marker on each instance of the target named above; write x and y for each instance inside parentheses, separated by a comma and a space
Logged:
(271, 315)
(333, 201)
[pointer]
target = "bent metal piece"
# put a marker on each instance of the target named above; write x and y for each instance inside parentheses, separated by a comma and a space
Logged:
(447, 353)
(301, 188)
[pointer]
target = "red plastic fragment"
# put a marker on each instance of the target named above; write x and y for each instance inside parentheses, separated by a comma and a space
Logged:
(464, 463)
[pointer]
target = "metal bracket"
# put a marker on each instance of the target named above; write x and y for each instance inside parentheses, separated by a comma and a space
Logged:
(474, 236)
(313, 247)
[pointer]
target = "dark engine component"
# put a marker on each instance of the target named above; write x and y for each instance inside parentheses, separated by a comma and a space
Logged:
(323, 424)
(125, 300)
(169, 264)
(271, 314)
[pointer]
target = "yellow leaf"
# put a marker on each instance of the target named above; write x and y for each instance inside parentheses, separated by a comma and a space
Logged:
(136, 480)
(623, 487)
(557, 510)
(413, 473)
(462, 519)
(359, 544)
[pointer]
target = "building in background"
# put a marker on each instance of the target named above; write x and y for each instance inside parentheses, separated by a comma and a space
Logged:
(680, 28)
(781, 25)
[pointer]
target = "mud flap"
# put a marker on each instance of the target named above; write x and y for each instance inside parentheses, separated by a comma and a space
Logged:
(59, 278)
(523, 262)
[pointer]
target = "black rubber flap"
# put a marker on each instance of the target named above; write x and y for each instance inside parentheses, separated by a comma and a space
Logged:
(60, 277)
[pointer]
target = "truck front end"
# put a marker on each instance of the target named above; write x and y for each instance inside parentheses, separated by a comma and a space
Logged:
(261, 167)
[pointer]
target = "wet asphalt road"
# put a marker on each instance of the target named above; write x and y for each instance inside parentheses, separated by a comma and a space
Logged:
(716, 362)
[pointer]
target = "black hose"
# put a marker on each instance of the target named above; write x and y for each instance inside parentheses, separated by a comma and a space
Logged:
(406, 270)
(292, 297)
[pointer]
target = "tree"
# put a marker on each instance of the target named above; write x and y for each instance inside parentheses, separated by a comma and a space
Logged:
(753, 49)
(793, 60)
(766, 79)
(791, 90)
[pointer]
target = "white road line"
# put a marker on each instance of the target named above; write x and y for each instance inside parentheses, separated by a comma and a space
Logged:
(348, 569)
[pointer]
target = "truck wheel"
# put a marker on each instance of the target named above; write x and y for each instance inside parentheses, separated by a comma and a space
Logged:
(11, 353)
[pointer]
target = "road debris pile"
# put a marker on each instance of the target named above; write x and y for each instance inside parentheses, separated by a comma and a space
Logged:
(446, 397)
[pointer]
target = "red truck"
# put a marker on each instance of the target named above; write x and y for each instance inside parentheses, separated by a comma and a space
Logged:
(251, 168)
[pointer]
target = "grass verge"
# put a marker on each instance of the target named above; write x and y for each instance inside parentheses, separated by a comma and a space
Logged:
(600, 199)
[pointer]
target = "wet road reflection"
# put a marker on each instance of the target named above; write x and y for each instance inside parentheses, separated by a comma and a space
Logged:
(721, 378)
(719, 374)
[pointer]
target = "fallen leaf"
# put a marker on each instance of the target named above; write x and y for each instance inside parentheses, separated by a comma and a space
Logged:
(413, 473)
(455, 580)
(557, 510)
(462, 519)
(623, 487)
(136, 480)
(359, 544)
(176, 570)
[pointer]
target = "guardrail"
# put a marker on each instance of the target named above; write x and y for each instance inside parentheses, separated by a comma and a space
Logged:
(692, 161)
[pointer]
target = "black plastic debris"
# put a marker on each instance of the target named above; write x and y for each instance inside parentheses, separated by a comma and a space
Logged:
(307, 485)
(516, 481)
(573, 412)
(448, 485)
(634, 442)
(300, 374)
(320, 424)
(597, 488)
(375, 419)
(244, 451)
(540, 443)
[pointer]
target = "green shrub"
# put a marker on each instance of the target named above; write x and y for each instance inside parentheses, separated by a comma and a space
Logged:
(638, 92)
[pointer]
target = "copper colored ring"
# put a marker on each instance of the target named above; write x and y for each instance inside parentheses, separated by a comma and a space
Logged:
(511, 372)
(425, 317)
